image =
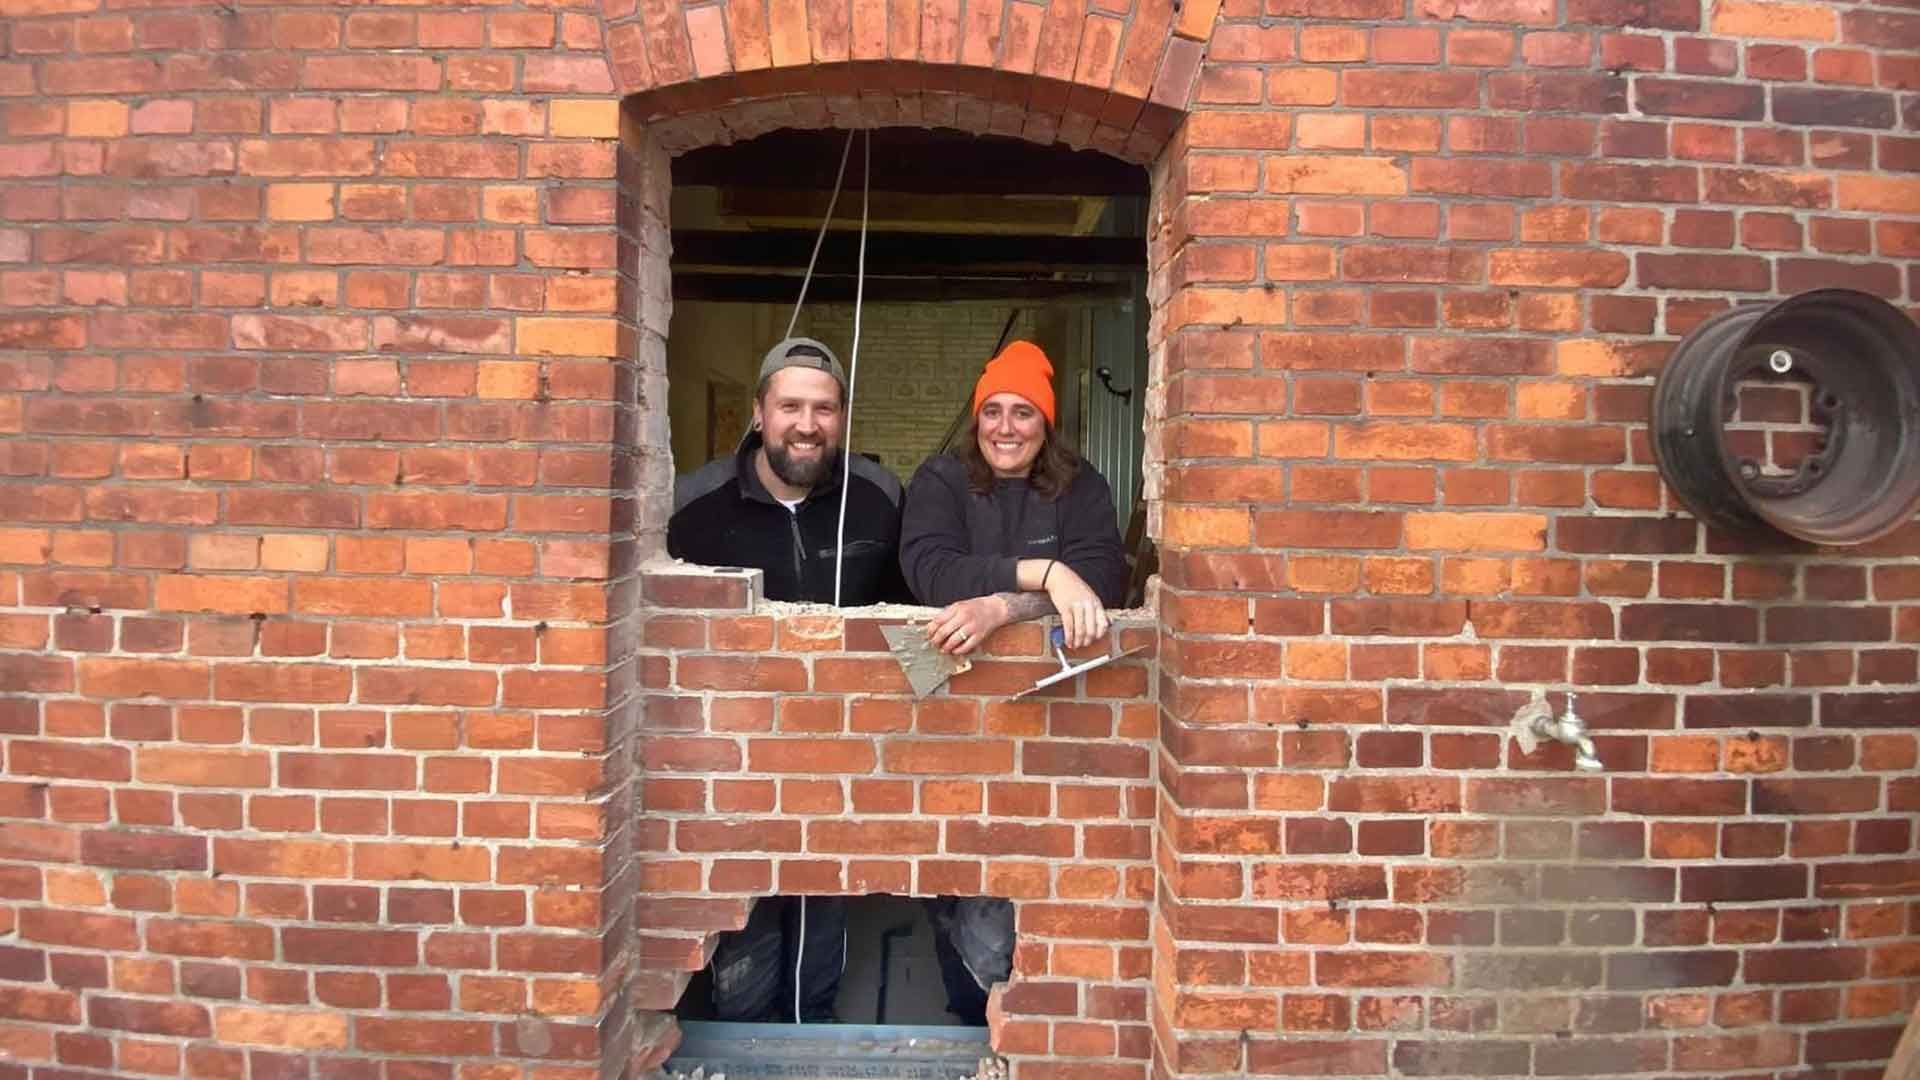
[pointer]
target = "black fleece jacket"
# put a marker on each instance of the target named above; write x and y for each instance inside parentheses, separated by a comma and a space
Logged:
(956, 545)
(724, 516)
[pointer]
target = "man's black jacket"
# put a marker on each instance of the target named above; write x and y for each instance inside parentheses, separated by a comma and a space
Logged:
(723, 516)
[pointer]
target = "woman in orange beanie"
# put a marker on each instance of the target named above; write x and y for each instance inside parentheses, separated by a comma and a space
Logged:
(1012, 524)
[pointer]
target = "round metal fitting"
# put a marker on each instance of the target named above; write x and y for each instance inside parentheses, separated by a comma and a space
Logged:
(1862, 357)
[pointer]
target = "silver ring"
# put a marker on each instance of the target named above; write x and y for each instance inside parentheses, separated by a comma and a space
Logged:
(961, 634)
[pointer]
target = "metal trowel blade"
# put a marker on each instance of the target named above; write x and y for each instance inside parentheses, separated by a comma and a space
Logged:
(926, 668)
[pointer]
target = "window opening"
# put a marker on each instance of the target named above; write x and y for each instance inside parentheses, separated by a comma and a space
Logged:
(971, 241)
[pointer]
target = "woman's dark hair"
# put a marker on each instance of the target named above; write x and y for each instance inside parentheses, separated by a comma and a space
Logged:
(1053, 470)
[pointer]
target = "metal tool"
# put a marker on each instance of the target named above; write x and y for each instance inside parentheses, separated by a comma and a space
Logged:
(926, 667)
(1058, 639)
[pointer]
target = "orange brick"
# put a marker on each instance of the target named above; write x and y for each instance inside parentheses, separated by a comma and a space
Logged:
(1896, 195)
(263, 1027)
(293, 551)
(1551, 401)
(1324, 660)
(221, 593)
(1192, 526)
(1804, 22)
(1301, 86)
(96, 119)
(78, 888)
(437, 555)
(217, 551)
(1227, 307)
(537, 336)
(369, 554)
(1323, 573)
(510, 203)
(1406, 577)
(1476, 532)
(571, 293)
(1598, 359)
(1408, 134)
(584, 119)
(1684, 753)
(1465, 663)
(1332, 131)
(1397, 441)
(1333, 175)
(1299, 262)
(1762, 755)
(304, 288)
(1332, 44)
(505, 379)
(300, 202)
(565, 997)
(510, 117)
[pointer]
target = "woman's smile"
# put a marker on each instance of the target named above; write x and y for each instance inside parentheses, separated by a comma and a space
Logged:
(1011, 433)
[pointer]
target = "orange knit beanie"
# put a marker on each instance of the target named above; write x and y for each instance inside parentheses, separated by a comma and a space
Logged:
(1021, 368)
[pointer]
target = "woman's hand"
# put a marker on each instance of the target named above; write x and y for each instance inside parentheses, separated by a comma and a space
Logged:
(1081, 614)
(961, 627)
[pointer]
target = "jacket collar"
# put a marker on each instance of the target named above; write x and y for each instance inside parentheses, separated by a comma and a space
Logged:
(753, 490)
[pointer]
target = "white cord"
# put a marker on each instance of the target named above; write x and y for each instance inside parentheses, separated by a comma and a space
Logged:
(799, 958)
(794, 319)
(853, 364)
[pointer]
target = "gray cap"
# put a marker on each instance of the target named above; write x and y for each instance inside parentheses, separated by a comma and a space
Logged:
(803, 352)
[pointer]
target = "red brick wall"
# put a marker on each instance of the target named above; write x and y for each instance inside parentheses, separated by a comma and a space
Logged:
(784, 753)
(335, 441)
(1404, 386)
(312, 745)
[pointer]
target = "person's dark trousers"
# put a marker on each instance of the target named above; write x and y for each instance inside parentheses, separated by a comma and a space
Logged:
(973, 940)
(825, 959)
(965, 999)
(753, 967)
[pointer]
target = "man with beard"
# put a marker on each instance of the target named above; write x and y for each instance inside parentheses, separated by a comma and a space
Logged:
(775, 505)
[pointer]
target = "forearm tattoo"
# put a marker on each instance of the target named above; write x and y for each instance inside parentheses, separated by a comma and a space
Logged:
(1022, 606)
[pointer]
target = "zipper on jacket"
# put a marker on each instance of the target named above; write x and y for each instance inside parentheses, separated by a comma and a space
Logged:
(799, 552)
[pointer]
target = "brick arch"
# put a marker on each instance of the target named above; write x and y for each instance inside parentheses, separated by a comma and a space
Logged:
(1044, 71)
(849, 96)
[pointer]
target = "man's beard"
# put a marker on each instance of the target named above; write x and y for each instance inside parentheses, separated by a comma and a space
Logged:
(798, 472)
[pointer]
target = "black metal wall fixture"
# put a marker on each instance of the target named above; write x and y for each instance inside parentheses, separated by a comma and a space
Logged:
(1861, 356)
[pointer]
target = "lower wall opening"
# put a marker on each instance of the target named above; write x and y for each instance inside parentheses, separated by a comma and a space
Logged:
(877, 960)
(882, 986)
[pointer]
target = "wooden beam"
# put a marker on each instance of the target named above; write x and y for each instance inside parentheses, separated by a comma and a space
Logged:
(837, 289)
(911, 160)
(910, 253)
(786, 208)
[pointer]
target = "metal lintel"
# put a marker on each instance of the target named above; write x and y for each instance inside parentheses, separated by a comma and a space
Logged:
(829, 1051)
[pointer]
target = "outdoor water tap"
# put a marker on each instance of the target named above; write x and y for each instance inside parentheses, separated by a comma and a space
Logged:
(1535, 721)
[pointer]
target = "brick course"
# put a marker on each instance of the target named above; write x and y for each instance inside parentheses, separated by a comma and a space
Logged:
(344, 734)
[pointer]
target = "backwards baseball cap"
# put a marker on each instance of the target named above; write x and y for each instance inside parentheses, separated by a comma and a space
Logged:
(803, 352)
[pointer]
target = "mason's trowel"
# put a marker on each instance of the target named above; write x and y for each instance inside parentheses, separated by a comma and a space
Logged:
(1058, 639)
(926, 667)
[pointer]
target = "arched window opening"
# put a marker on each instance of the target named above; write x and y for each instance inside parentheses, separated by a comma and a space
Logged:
(973, 241)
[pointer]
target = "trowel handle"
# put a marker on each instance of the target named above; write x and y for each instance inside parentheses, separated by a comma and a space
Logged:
(1057, 638)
